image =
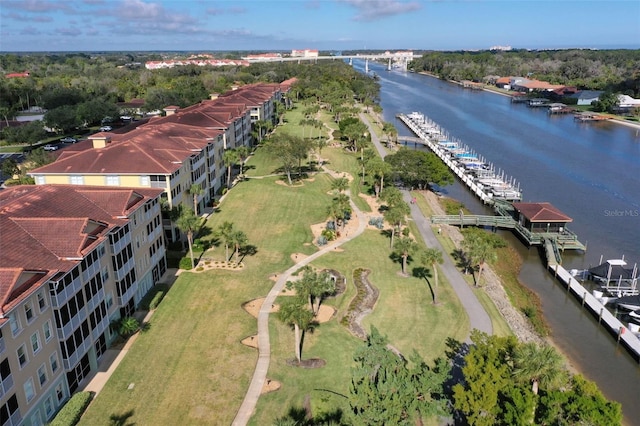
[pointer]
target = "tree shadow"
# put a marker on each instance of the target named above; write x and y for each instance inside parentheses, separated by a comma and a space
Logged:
(121, 419)
(247, 250)
(424, 273)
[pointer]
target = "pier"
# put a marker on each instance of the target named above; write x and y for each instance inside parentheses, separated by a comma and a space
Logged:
(538, 224)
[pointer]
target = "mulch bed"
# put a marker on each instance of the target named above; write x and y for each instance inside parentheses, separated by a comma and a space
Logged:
(307, 363)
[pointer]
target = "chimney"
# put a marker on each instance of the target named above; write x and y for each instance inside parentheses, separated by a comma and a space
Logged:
(100, 140)
(170, 110)
(214, 96)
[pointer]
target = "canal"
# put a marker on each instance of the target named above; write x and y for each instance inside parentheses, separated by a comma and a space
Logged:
(590, 171)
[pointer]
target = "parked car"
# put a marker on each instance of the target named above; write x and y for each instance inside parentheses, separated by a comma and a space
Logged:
(69, 140)
(106, 128)
(49, 147)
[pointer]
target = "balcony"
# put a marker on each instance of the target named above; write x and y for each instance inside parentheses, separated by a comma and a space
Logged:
(122, 300)
(6, 385)
(92, 270)
(95, 300)
(124, 270)
(68, 328)
(121, 244)
(75, 357)
(59, 299)
(100, 328)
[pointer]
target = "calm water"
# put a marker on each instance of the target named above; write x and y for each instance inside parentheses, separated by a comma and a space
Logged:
(590, 171)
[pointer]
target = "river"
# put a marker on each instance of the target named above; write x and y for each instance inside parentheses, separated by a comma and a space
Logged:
(590, 171)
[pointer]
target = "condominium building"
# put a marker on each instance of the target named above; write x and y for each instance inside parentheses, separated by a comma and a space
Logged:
(72, 260)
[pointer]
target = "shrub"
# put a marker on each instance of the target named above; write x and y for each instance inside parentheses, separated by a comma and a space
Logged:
(329, 234)
(322, 240)
(331, 225)
(185, 263)
(199, 269)
(153, 298)
(70, 414)
(378, 222)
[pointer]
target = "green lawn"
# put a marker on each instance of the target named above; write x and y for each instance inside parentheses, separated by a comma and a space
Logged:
(190, 367)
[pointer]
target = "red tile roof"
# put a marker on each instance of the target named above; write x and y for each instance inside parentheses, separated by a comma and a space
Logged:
(50, 227)
(541, 212)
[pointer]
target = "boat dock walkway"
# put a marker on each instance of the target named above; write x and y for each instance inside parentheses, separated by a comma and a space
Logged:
(617, 329)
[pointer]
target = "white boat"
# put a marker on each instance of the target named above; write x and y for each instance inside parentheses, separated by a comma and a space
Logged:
(630, 303)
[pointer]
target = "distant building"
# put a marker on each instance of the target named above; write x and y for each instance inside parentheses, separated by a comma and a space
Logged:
(18, 75)
(262, 57)
(501, 48)
(154, 65)
(305, 53)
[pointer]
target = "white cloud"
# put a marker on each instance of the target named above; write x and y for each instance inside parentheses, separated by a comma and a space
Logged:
(372, 10)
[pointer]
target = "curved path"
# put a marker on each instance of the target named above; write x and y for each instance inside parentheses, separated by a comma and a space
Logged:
(478, 317)
(264, 347)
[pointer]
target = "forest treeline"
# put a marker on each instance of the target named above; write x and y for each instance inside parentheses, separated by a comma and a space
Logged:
(616, 71)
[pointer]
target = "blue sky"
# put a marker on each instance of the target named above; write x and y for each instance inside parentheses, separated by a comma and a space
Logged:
(210, 25)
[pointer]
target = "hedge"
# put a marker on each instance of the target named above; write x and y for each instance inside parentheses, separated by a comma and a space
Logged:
(70, 414)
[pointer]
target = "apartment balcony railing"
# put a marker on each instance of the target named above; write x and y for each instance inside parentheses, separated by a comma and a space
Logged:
(68, 328)
(59, 299)
(73, 359)
(100, 328)
(121, 244)
(95, 300)
(122, 300)
(6, 385)
(124, 270)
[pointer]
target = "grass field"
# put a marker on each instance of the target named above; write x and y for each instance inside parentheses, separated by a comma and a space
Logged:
(190, 367)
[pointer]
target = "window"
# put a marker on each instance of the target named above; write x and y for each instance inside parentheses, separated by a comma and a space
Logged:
(53, 360)
(113, 180)
(22, 356)
(29, 391)
(15, 324)
(42, 301)
(144, 180)
(59, 392)
(35, 342)
(28, 311)
(48, 407)
(76, 180)
(40, 180)
(36, 420)
(42, 374)
(109, 300)
(46, 328)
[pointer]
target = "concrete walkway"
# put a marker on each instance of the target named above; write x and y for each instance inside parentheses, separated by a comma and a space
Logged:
(264, 347)
(478, 317)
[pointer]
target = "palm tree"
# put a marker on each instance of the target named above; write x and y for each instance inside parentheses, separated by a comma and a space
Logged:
(339, 208)
(189, 223)
(542, 366)
(224, 232)
(195, 190)
(243, 153)
(238, 239)
(404, 247)
(293, 312)
(340, 184)
(392, 196)
(229, 158)
(379, 168)
(431, 257)
(480, 252)
(396, 216)
(320, 144)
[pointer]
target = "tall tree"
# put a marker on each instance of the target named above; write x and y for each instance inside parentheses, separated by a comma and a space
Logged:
(405, 247)
(540, 366)
(189, 223)
(432, 257)
(396, 216)
(243, 153)
(479, 252)
(379, 169)
(195, 190)
(225, 232)
(340, 184)
(293, 312)
(314, 286)
(229, 158)
(239, 240)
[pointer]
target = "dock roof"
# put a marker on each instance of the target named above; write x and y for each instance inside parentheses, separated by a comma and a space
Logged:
(541, 212)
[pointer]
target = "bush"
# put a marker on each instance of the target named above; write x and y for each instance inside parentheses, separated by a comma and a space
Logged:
(329, 234)
(70, 414)
(185, 263)
(378, 222)
(322, 240)
(153, 298)
(331, 225)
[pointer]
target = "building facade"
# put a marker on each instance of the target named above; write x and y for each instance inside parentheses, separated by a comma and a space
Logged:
(72, 260)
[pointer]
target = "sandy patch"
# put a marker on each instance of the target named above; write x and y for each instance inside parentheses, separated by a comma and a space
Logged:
(296, 257)
(251, 341)
(270, 386)
(325, 313)
(253, 307)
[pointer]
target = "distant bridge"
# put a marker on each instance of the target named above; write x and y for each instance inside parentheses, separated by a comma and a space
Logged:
(401, 59)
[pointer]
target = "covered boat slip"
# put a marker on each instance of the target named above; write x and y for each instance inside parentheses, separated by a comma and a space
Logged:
(614, 278)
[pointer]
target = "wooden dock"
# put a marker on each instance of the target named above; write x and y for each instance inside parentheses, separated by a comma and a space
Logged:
(589, 116)
(615, 327)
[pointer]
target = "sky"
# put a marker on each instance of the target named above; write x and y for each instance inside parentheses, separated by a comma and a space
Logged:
(334, 25)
